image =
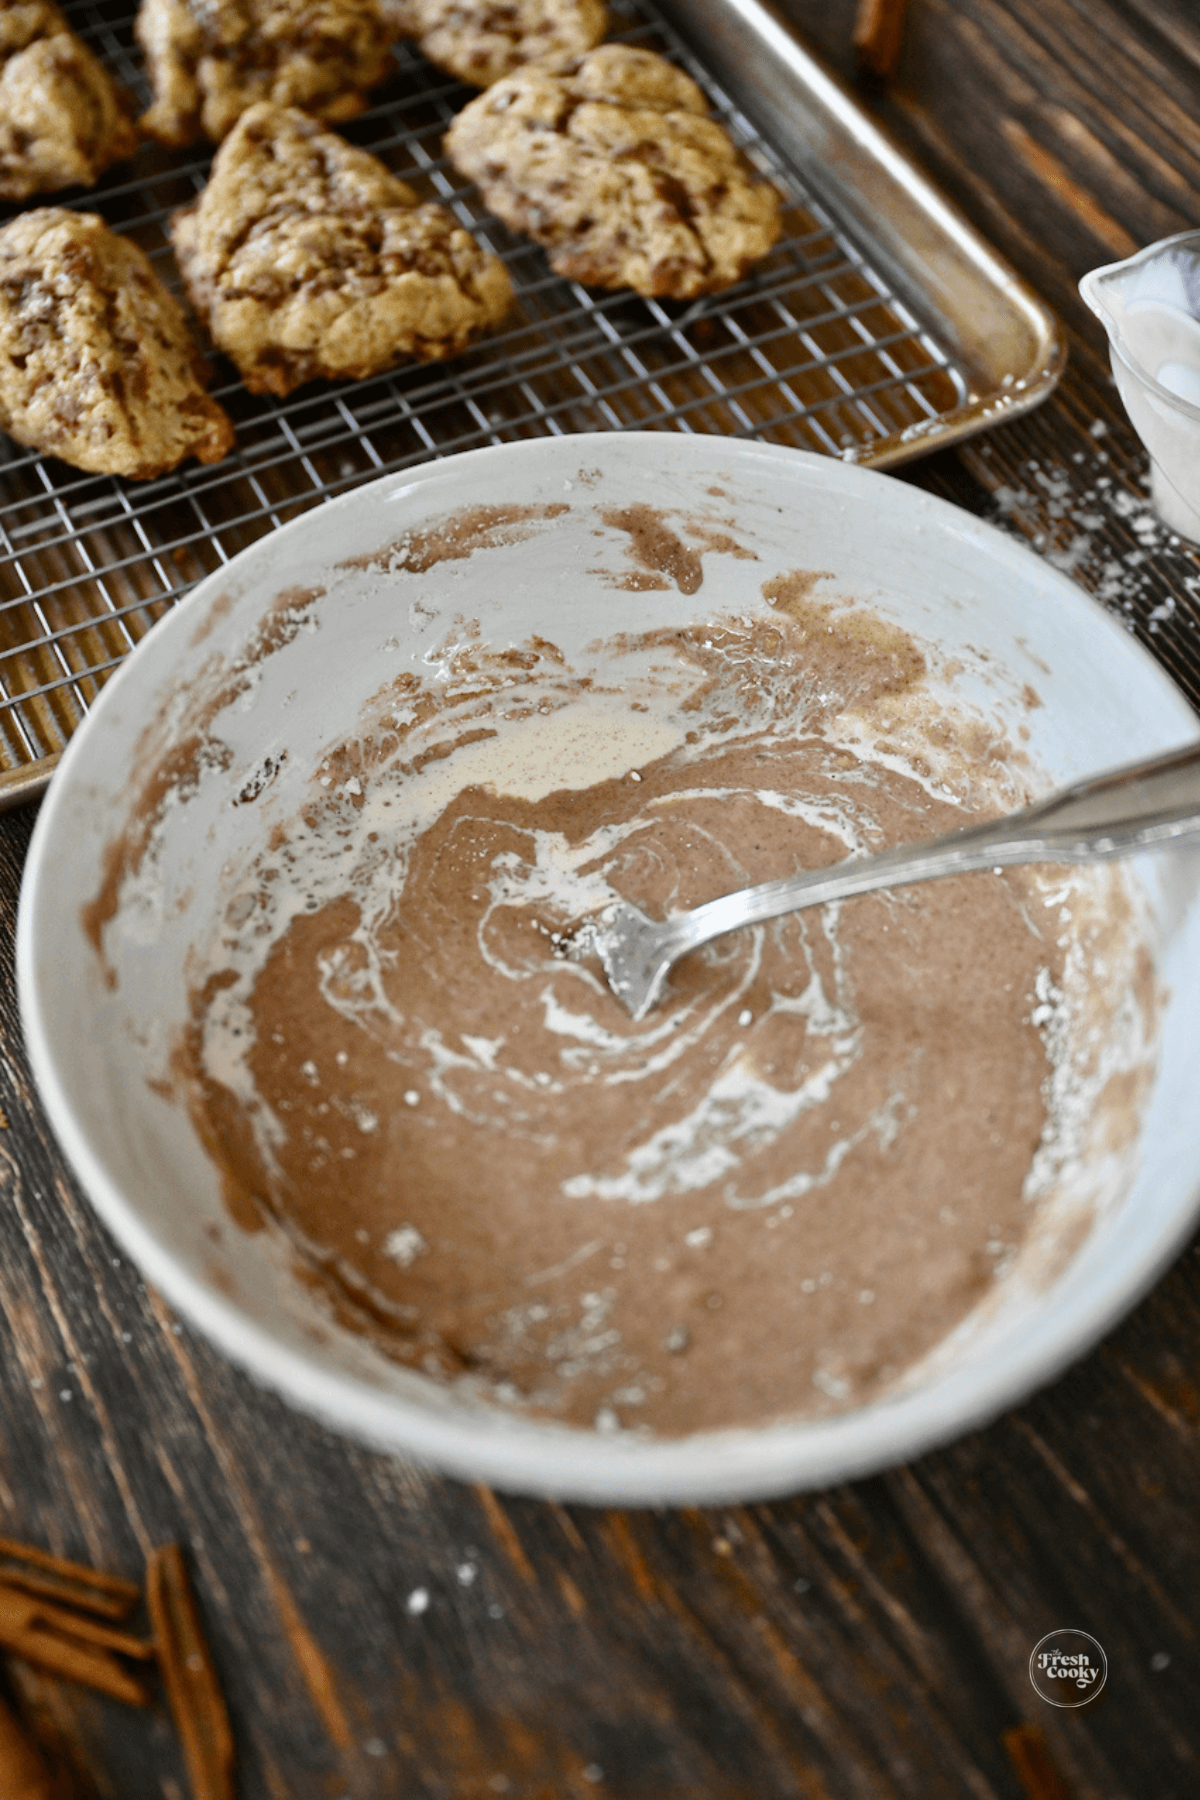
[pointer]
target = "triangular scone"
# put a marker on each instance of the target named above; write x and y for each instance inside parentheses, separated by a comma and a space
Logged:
(211, 59)
(617, 169)
(63, 119)
(402, 17)
(308, 258)
(97, 363)
(481, 41)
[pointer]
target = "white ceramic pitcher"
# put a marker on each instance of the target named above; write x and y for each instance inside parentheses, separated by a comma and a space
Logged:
(1150, 307)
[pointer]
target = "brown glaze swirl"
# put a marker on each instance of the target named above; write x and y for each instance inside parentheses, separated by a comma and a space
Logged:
(767, 1199)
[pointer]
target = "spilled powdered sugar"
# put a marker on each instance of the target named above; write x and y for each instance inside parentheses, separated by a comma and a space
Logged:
(1071, 515)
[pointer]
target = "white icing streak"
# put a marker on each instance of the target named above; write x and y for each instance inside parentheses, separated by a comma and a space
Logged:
(534, 734)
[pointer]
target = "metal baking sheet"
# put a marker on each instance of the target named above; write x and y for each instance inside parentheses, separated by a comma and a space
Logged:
(879, 328)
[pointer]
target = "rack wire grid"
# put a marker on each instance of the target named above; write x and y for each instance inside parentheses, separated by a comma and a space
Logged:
(815, 350)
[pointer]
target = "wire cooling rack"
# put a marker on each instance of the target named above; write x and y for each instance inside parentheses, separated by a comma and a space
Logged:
(816, 350)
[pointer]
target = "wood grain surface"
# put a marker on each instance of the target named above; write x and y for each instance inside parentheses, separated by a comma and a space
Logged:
(381, 1632)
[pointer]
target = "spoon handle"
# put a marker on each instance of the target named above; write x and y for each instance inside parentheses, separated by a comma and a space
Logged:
(1132, 808)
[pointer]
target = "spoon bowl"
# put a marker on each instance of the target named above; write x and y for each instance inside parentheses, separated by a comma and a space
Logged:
(1140, 806)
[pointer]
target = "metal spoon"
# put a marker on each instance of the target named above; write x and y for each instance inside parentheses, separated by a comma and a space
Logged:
(1137, 807)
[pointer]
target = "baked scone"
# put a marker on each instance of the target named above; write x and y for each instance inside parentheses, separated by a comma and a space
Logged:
(306, 257)
(481, 41)
(617, 170)
(211, 59)
(63, 119)
(402, 17)
(97, 363)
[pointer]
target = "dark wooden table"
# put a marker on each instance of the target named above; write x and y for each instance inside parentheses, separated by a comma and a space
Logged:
(866, 1643)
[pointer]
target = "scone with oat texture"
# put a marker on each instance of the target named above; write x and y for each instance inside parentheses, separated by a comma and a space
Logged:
(63, 119)
(481, 41)
(97, 362)
(306, 257)
(402, 17)
(617, 170)
(211, 59)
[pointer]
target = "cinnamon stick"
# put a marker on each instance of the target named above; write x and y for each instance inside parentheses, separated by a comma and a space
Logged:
(91, 1589)
(23, 1774)
(43, 1634)
(879, 34)
(103, 1606)
(89, 1631)
(189, 1677)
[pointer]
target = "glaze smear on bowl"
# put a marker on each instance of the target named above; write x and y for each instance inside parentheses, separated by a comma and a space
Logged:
(768, 1199)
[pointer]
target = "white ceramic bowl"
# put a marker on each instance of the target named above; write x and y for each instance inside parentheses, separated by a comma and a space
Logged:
(1004, 617)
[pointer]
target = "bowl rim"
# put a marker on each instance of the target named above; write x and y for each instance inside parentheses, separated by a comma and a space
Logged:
(514, 1453)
